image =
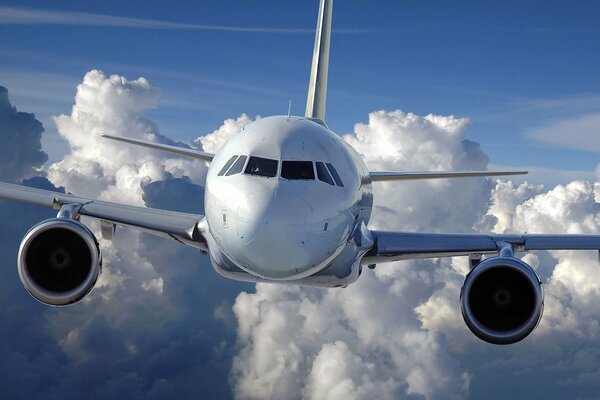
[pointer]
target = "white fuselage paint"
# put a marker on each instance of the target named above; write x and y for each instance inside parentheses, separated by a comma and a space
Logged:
(273, 229)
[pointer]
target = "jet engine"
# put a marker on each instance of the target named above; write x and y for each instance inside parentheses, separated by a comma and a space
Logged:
(502, 300)
(59, 261)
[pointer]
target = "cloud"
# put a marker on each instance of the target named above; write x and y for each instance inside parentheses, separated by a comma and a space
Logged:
(580, 133)
(214, 140)
(398, 141)
(21, 154)
(184, 195)
(161, 323)
(171, 340)
(555, 352)
(156, 325)
(398, 331)
(101, 168)
(28, 356)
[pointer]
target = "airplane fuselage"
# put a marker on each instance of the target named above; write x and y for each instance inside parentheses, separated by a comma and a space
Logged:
(287, 200)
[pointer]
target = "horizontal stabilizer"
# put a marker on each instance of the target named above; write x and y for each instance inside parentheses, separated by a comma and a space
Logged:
(403, 176)
(182, 151)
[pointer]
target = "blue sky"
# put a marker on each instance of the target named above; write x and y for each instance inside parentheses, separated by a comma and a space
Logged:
(517, 70)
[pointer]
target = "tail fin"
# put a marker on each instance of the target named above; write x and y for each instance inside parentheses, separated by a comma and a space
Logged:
(317, 86)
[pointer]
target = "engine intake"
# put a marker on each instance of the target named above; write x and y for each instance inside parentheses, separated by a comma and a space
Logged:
(59, 261)
(502, 300)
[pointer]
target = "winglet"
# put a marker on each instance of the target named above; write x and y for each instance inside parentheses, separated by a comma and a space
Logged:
(317, 86)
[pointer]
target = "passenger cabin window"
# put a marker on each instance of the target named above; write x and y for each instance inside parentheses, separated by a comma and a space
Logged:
(297, 170)
(238, 166)
(323, 175)
(262, 167)
(335, 175)
(227, 165)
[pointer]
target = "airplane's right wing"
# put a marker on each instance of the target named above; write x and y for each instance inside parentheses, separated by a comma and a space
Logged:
(59, 259)
(182, 227)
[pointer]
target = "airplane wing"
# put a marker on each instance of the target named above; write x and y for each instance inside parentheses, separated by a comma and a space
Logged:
(182, 151)
(396, 176)
(179, 226)
(395, 246)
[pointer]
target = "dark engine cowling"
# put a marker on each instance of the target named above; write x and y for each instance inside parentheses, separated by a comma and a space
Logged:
(502, 300)
(59, 261)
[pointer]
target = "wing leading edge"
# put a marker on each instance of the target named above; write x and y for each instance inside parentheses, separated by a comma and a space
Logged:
(182, 227)
(395, 246)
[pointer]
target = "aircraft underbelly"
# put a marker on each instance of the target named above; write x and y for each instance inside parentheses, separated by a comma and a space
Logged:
(342, 270)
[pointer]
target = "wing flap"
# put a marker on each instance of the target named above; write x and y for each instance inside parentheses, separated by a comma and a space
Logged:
(403, 176)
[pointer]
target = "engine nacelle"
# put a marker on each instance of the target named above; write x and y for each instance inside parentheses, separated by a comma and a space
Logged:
(502, 300)
(59, 261)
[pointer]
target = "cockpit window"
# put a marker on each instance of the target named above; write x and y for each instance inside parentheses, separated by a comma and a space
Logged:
(238, 166)
(323, 175)
(297, 170)
(227, 165)
(261, 167)
(335, 175)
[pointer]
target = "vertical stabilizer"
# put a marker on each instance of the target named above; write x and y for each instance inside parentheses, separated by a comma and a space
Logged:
(317, 86)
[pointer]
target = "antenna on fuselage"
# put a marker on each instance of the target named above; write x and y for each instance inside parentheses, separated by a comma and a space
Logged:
(289, 109)
(317, 86)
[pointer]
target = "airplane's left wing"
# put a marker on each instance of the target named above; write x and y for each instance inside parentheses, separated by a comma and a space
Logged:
(502, 298)
(179, 226)
(403, 176)
(395, 246)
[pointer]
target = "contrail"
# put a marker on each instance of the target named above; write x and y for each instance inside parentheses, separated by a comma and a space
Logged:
(25, 16)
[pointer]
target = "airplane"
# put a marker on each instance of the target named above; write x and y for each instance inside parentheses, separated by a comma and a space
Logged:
(289, 201)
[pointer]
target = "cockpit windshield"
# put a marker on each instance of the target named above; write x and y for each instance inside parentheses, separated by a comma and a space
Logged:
(297, 170)
(238, 166)
(262, 167)
(335, 175)
(323, 174)
(227, 165)
(290, 169)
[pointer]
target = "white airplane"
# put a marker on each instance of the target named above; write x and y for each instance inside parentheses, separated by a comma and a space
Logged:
(288, 201)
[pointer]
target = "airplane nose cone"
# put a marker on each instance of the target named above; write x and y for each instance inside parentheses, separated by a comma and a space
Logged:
(273, 229)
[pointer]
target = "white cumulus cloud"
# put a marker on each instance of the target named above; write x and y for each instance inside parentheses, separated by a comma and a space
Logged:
(98, 167)
(398, 331)
(161, 323)
(150, 328)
